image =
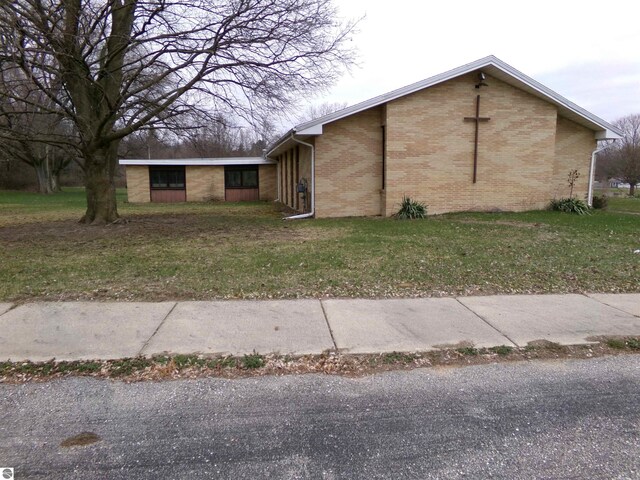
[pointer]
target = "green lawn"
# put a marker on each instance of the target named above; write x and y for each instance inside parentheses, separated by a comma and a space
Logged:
(624, 204)
(207, 251)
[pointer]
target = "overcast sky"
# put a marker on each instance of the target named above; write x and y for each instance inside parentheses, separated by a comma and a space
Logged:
(588, 52)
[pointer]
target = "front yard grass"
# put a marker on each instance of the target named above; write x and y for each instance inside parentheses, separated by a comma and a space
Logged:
(624, 204)
(204, 251)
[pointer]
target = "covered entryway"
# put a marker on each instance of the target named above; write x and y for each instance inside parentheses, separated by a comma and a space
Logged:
(241, 183)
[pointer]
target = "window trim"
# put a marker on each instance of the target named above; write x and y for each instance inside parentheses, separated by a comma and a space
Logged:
(241, 168)
(174, 168)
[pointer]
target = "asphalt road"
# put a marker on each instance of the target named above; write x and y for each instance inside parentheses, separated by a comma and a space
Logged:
(561, 419)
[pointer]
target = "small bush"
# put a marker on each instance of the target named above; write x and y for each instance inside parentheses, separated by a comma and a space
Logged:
(569, 205)
(600, 202)
(255, 360)
(502, 350)
(633, 343)
(184, 361)
(616, 343)
(468, 351)
(410, 209)
(222, 362)
(396, 357)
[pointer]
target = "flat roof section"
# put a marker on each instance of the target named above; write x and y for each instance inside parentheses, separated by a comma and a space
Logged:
(199, 161)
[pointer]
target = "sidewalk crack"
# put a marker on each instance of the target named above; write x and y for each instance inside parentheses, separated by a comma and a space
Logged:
(12, 306)
(601, 302)
(175, 304)
(326, 319)
(487, 322)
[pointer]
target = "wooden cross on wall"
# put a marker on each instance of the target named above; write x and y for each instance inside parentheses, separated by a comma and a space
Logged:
(476, 119)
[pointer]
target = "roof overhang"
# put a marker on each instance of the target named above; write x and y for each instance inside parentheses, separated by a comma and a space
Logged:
(491, 66)
(199, 161)
(609, 134)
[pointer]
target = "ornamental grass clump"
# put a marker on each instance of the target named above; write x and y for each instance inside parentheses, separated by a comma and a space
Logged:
(410, 209)
(569, 205)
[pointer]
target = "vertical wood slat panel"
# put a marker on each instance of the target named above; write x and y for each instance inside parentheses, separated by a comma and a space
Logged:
(286, 178)
(291, 181)
(168, 196)
(297, 179)
(242, 194)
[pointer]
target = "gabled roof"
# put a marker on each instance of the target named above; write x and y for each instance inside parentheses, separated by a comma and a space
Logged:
(491, 66)
(198, 161)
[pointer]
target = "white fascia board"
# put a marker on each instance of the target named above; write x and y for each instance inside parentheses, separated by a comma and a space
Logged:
(199, 161)
(607, 135)
(312, 130)
(486, 62)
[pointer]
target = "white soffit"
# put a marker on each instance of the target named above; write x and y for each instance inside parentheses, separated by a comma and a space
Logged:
(491, 66)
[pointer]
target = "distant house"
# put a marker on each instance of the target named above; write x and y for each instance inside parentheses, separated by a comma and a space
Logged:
(617, 183)
(483, 136)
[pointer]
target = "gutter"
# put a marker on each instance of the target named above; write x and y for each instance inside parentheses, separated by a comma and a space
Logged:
(313, 181)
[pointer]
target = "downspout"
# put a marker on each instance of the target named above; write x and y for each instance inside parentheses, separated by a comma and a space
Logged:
(278, 167)
(592, 171)
(313, 181)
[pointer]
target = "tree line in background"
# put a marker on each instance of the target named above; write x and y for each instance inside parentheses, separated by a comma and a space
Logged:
(85, 79)
(26, 164)
(621, 159)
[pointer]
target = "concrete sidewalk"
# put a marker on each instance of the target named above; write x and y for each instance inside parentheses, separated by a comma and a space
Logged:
(92, 330)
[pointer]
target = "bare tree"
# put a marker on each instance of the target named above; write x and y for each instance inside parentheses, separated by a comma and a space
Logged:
(129, 64)
(622, 159)
(311, 112)
(27, 131)
(48, 161)
(220, 138)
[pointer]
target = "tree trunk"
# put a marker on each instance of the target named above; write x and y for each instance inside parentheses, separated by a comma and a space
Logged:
(56, 163)
(632, 188)
(43, 174)
(100, 167)
(55, 182)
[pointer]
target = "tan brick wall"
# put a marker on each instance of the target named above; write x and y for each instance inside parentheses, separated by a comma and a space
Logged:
(138, 189)
(267, 182)
(430, 153)
(204, 183)
(574, 145)
(349, 166)
(430, 148)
